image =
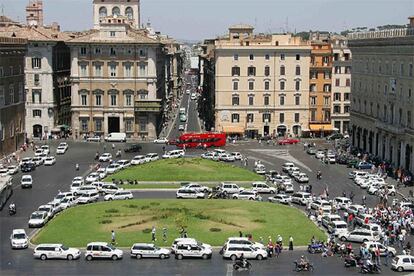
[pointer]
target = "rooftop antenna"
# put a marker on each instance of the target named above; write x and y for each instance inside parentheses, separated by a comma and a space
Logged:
(287, 24)
(2, 9)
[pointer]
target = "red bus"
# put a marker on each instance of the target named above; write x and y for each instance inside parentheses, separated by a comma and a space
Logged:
(201, 140)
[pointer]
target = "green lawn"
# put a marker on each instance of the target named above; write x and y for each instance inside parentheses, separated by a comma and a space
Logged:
(185, 169)
(171, 185)
(210, 221)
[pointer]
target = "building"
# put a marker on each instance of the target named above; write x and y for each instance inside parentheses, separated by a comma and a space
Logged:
(341, 84)
(128, 9)
(320, 87)
(34, 13)
(261, 83)
(383, 94)
(12, 111)
(117, 75)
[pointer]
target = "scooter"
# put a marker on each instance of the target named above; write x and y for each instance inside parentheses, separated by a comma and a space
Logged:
(373, 268)
(77, 167)
(352, 262)
(242, 266)
(12, 210)
(306, 267)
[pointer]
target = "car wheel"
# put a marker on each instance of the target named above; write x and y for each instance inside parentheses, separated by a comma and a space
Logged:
(114, 257)
(392, 194)
(179, 256)
(139, 256)
(205, 256)
(234, 197)
(43, 257)
(162, 256)
(400, 269)
(69, 257)
(251, 198)
(89, 258)
(343, 238)
(364, 240)
(233, 257)
(259, 257)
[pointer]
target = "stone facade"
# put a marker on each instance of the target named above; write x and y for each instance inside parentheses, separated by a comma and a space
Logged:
(129, 9)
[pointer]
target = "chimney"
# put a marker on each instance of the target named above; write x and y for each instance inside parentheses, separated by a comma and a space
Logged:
(411, 24)
(55, 27)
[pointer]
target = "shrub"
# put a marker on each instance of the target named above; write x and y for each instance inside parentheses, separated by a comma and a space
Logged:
(215, 229)
(201, 216)
(112, 210)
(132, 206)
(259, 220)
(146, 230)
(145, 207)
(154, 203)
(105, 221)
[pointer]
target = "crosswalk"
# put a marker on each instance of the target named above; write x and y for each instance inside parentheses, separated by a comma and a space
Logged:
(281, 154)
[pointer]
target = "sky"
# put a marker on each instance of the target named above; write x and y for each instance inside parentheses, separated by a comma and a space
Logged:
(201, 19)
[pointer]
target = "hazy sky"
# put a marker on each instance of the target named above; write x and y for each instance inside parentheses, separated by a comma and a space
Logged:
(198, 19)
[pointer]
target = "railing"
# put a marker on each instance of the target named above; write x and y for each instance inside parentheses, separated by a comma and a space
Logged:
(402, 32)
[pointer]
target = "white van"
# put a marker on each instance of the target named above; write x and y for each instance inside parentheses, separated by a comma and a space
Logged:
(338, 228)
(116, 137)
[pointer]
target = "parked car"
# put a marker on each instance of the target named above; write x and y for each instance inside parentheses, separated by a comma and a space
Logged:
(248, 195)
(342, 202)
(26, 181)
(355, 209)
(243, 241)
(95, 138)
(109, 188)
(237, 155)
(149, 250)
(181, 128)
(19, 239)
(68, 202)
(227, 157)
(151, 157)
(4, 171)
(88, 197)
(280, 198)
(173, 154)
(320, 154)
(101, 172)
(119, 195)
(311, 151)
(61, 150)
(186, 193)
(112, 168)
(328, 219)
(359, 235)
(56, 251)
(301, 198)
(38, 152)
(316, 204)
(302, 178)
(363, 166)
(260, 169)
(288, 141)
(133, 148)
(102, 250)
(123, 163)
(137, 160)
(12, 170)
(92, 177)
(85, 189)
(188, 241)
(197, 187)
(38, 161)
(287, 166)
(335, 136)
(48, 209)
(229, 188)
(37, 219)
(184, 250)
(28, 167)
(338, 228)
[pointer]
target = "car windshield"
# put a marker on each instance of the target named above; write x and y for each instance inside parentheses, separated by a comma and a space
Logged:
(36, 216)
(64, 248)
(46, 209)
(19, 236)
(60, 196)
(65, 200)
(111, 246)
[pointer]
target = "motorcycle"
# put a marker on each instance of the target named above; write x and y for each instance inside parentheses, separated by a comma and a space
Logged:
(77, 167)
(315, 248)
(352, 261)
(118, 154)
(305, 267)
(12, 210)
(370, 268)
(242, 266)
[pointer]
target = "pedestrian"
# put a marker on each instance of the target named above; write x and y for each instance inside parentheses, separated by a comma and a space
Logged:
(153, 232)
(388, 255)
(278, 249)
(164, 234)
(290, 243)
(113, 241)
(364, 198)
(240, 234)
(280, 241)
(270, 247)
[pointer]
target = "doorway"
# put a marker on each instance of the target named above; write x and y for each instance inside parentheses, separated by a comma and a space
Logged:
(266, 131)
(37, 131)
(281, 131)
(113, 124)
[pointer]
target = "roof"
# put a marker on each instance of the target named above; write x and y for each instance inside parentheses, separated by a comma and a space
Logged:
(241, 26)
(33, 33)
(19, 231)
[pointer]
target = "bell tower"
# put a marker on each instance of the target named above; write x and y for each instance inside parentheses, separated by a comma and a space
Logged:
(128, 9)
(34, 13)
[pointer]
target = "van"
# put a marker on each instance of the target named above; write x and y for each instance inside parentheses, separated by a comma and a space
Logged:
(338, 228)
(301, 198)
(342, 202)
(116, 137)
(234, 252)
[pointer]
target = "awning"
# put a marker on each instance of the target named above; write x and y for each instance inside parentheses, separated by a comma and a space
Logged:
(233, 129)
(320, 127)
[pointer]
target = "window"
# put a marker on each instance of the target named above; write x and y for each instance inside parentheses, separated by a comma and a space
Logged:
(128, 100)
(36, 63)
(83, 51)
(98, 100)
(21, 93)
(36, 96)
(297, 72)
(11, 71)
(325, 60)
(129, 13)
(113, 100)
(37, 113)
(337, 97)
(235, 57)
(266, 85)
(282, 70)
(326, 100)
(409, 119)
(267, 71)
(312, 100)
(112, 51)
(84, 125)
(83, 100)
(266, 117)
(348, 82)
(337, 109)
(143, 125)
(142, 53)
(97, 51)
(235, 85)
(251, 100)
(143, 95)
(98, 70)
(116, 11)
(313, 115)
(337, 82)
(235, 100)
(142, 70)
(282, 100)
(112, 70)
(128, 70)
(36, 78)
(128, 125)
(297, 57)
(347, 96)
(83, 70)
(251, 57)
(267, 57)
(282, 56)
(281, 118)
(11, 94)
(409, 93)
(346, 108)
(235, 118)
(235, 71)
(312, 88)
(251, 85)
(2, 98)
(327, 115)
(282, 85)
(348, 69)
(313, 75)
(266, 100)
(102, 12)
(327, 75)
(297, 116)
(410, 70)
(297, 85)
(337, 69)
(250, 118)
(1, 72)
(297, 100)
(327, 88)
(112, 34)
(251, 71)
(98, 125)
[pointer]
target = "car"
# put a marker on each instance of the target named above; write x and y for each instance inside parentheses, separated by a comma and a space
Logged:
(26, 181)
(207, 155)
(187, 91)
(302, 178)
(243, 241)
(227, 157)
(123, 163)
(403, 263)
(94, 138)
(193, 96)
(38, 152)
(389, 189)
(288, 141)
(287, 166)
(149, 250)
(282, 179)
(102, 250)
(359, 235)
(113, 168)
(133, 148)
(288, 188)
(19, 239)
(338, 228)
(173, 154)
(361, 218)
(92, 177)
(260, 169)
(229, 188)
(119, 195)
(88, 197)
(262, 187)
(101, 172)
(181, 128)
(301, 198)
(38, 161)
(61, 150)
(320, 154)
(193, 251)
(311, 151)
(234, 252)
(45, 149)
(109, 188)
(56, 251)
(68, 202)
(316, 204)
(372, 227)
(331, 159)
(363, 166)
(248, 195)
(25, 160)
(56, 207)
(355, 209)
(151, 157)
(38, 219)
(105, 157)
(50, 160)
(186, 193)
(197, 187)
(161, 141)
(12, 170)
(48, 209)
(75, 186)
(335, 136)
(85, 189)
(78, 179)
(342, 202)
(28, 167)
(98, 185)
(4, 171)
(137, 160)
(237, 155)
(293, 171)
(355, 174)
(280, 198)
(183, 118)
(61, 195)
(328, 219)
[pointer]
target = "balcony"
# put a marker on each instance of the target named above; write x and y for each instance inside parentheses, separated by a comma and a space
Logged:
(148, 106)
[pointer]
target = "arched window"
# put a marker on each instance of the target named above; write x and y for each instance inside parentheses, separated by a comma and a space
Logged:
(102, 12)
(116, 11)
(129, 13)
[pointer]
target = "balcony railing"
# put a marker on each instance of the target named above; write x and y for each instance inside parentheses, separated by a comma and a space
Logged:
(402, 32)
(148, 106)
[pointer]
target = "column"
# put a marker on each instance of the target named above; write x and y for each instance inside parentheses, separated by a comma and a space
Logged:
(105, 123)
(402, 155)
(121, 123)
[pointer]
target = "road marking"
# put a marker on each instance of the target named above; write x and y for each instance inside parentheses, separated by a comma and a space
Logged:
(229, 270)
(281, 154)
(187, 111)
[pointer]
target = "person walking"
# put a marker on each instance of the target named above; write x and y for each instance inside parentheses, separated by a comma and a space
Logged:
(164, 234)
(153, 232)
(113, 237)
(278, 249)
(290, 243)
